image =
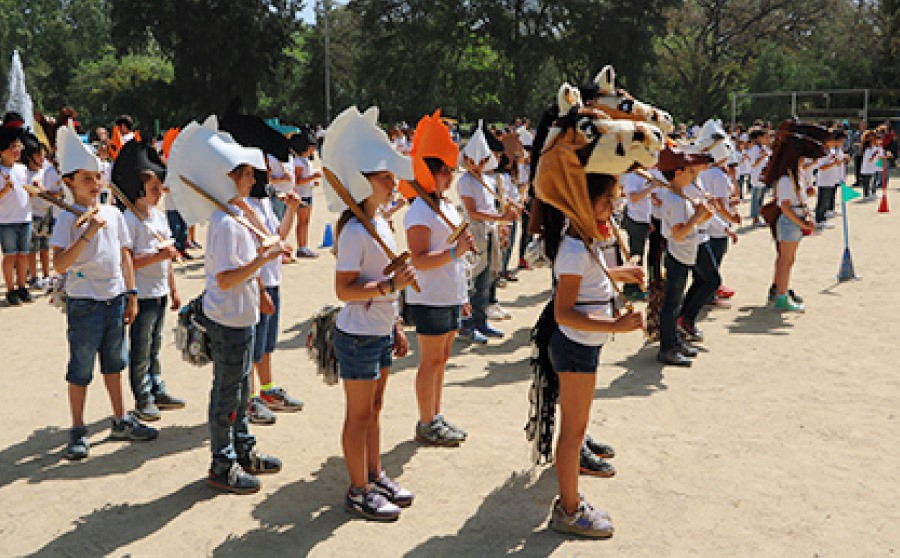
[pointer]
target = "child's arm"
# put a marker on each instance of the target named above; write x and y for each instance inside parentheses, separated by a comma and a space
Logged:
(173, 291)
(233, 277)
(566, 315)
(161, 255)
(292, 201)
(131, 305)
(63, 258)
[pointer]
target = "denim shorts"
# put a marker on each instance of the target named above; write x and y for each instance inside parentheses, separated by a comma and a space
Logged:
(95, 327)
(266, 333)
(39, 243)
(362, 357)
(15, 238)
(307, 199)
(569, 356)
(434, 320)
(788, 231)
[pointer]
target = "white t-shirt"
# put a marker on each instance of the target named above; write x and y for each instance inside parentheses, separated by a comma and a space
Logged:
(357, 251)
(656, 210)
(229, 245)
(744, 162)
(52, 182)
(871, 157)
(106, 195)
(15, 207)
(573, 259)
(444, 285)
(834, 174)
(785, 190)
(676, 210)
(151, 281)
(469, 187)
(639, 212)
(280, 172)
(716, 183)
(757, 151)
(97, 271)
(304, 190)
(270, 272)
(39, 205)
(695, 191)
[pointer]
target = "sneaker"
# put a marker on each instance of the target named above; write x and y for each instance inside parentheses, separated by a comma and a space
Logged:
(687, 350)
(510, 277)
(257, 463)
(12, 298)
(523, 264)
(501, 283)
(34, 283)
(590, 464)
(258, 413)
(488, 331)
(472, 335)
(166, 401)
(827, 225)
(440, 418)
(77, 448)
(496, 312)
(586, 521)
(672, 357)
(371, 505)
(305, 252)
(436, 433)
(130, 428)
(147, 410)
(689, 332)
(794, 296)
(25, 295)
(276, 399)
(600, 449)
(783, 302)
(830, 214)
(718, 302)
(234, 480)
(391, 489)
(724, 292)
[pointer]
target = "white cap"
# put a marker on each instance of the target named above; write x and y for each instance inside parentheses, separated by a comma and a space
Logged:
(72, 153)
(205, 156)
(355, 144)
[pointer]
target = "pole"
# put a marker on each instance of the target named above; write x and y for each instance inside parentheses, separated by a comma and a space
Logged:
(794, 104)
(846, 271)
(733, 110)
(866, 107)
(325, 8)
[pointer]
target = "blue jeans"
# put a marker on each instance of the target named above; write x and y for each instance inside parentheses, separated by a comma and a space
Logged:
(229, 436)
(278, 207)
(676, 279)
(479, 297)
(756, 198)
(362, 357)
(179, 229)
(706, 281)
(15, 238)
(145, 340)
(743, 183)
(507, 253)
(95, 327)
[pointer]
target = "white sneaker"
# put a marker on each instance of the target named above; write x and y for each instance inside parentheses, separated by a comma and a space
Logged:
(501, 283)
(827, 225)
(830, 214)
(496, 313)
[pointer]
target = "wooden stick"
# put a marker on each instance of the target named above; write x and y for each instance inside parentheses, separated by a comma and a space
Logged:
(161, 241)
(266, 240)
(344, 194)
(426, 197)
(647, 176)
(626, 257)
(503, 203)
(82, 214)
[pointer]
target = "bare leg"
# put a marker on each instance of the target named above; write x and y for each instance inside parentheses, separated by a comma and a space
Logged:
(359, 395)
(77, 398)
(113, 383)
(9, 266)
(429, 378)
(787, 252)
(303, 227)
(373, 434)
(22, 270)
(576, 392)
(45, 263)
(264, 369)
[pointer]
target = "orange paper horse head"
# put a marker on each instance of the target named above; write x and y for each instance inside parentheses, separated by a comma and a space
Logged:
(431, 140)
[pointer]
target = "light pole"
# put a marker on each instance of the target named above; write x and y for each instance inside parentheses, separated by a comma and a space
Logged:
(325, 8)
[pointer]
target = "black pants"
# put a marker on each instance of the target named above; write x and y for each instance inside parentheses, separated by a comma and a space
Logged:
(857, 167)
(824, 202)
(657, 245)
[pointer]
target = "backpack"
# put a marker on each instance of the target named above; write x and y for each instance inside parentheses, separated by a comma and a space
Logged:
(544, 391)
(191, 337)
(320, 343)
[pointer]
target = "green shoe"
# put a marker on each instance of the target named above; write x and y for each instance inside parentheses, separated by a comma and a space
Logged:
(782, 302)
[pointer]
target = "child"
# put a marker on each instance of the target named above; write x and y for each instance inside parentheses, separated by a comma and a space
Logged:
(831, 168)
(758, 156)
(681, 220)
(41, 210)
(138, 172)
(270, 397)
(367, 328)
(15, 217)
(100, 289)
(435, 310)
(232, 299)
(584, 313)
(636, 223)
(304, 146)
(872, 154)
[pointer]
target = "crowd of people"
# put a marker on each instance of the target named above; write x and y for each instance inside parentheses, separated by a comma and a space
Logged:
(84, 221)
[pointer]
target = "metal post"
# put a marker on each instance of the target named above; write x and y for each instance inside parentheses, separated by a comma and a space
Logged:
(794, 104)
(866, 108)
(325, 8)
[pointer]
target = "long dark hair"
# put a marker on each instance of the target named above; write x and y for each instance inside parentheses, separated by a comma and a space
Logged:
(554, 220)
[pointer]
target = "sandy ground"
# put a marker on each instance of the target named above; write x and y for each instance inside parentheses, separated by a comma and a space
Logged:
(780, 441)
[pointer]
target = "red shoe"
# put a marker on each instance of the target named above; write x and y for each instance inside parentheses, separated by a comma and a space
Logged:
(725, 292)
(524, 264)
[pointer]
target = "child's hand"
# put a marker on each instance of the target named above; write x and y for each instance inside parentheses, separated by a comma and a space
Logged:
(292, 200)
(403, 276)
(168, 252)
(630, 321)
(131, 309)
(465, 243)
(95, 223)
(266, 306)
(401, 343)
(175, 306)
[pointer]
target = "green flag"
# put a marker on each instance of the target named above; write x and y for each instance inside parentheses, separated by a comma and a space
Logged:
(848, 193)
